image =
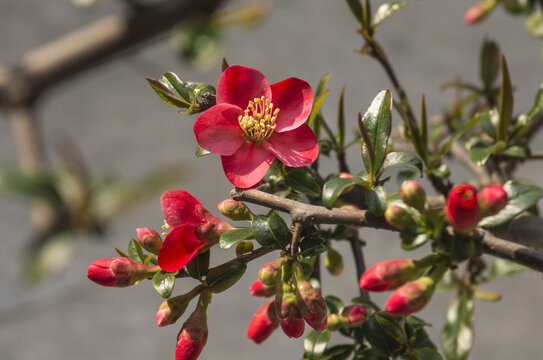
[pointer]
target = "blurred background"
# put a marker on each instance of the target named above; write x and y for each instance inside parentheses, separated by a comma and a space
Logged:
(108, 122)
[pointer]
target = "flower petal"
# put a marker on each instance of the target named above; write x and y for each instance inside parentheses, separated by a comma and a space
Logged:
(295, 148)
(180, 246)
(217, 129)
(178, 207)
(238, 85)
(248, 165)
(294, 99)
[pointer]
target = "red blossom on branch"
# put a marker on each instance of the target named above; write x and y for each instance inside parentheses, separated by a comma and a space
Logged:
(255, 122)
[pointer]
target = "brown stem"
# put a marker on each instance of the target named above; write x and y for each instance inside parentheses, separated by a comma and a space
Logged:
(356, 247)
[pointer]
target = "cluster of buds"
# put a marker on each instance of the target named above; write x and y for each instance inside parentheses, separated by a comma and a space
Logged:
(465, 207)
(409, 296)
(413, 196)
(296, 302)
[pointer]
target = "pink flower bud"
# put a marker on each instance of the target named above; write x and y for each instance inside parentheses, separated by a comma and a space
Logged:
(310, 302)
(149, 239)
(258, 288)
(119, 272)
(172, 309)
(413, 194)
(461, 208)
(492, 199)
(263, 323)
(410, 297)
(192, 337)
(293, 325)
(235, 210)
(270, 273)
(398, 216)
(387, 275)
(479, 11)
(344, 175)
(354, 315)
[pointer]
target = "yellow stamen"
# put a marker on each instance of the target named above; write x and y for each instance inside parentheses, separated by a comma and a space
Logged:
(258, 121)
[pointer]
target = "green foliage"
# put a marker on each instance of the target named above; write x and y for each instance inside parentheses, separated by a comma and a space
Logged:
(457, 334)
(271, 231)
(315, 343)
(163, 283)
(232, 237)
(222, 277)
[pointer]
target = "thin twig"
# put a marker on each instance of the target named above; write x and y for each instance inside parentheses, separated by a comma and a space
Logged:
(462, 156)
(296, 234)
(356, 247)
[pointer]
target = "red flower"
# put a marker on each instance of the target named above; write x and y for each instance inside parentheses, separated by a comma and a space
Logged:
(193, 229)
(461, 208)
(263, 323)
(255, 122)
(492, 199)
(119, 272)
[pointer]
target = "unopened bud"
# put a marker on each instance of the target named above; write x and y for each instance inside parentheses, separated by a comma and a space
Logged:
(310, 302)
(479, 11)
(263, 323)
(461, 209)
(285, 299)
(270, 273)
(492, 199)
(244, 247)
(173, 308)
(119, 272)
(235, 210)
(149, 239)
(410, 297)
(293, 325)
(354, 315)
(333, 262)
(398, 216)
(334, 322)
(387, 275)
(258, 288)
(193, 335)
(412, 194)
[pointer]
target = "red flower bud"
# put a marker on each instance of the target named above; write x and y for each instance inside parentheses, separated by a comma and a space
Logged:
(413, 194)
(310, 302)
(387, 275)
(398, 216)
(410, 297)
(258, 288)
(263, 323)
(344, 175)
(193, 335)
(235, 210)
(293, 325)
(354, 315)
(119, 272)
(492, 199)
(479, 11)
(461, 208)
(149, 239)
(173, 308)
(270, 273)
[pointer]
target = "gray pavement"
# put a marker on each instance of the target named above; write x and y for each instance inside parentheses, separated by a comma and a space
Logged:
(122, 127)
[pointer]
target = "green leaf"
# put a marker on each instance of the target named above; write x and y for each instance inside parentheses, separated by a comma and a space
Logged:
(386, 10)
(163, 283)
(441, 171)
(480, 150)
(378, 338)
(490, 63)
(404, 159)
(521, 197)
(334, 304)
(271, 231)
(502, 267)
(232, 237)
(317, 103)
(341, 120)
(315, 343)
(393, 325)
(222, 277)
(134, 251)
(413, 237)
(39, 185)
(377, 121)
(172, 90)
(338, 352)
(356, 9)
(302, 181)
(423, 131)
(520, 151)
(461, 130)
(121, 253)
(376, 200)
(335, 187)
(311, 246)
(405, 175)
(506, 104)
(200, 151)
(366, 302)
(534, 24)
(427, 354)
(457, 334)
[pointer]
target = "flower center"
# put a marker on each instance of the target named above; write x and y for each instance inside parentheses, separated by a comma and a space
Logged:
(258, 121)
